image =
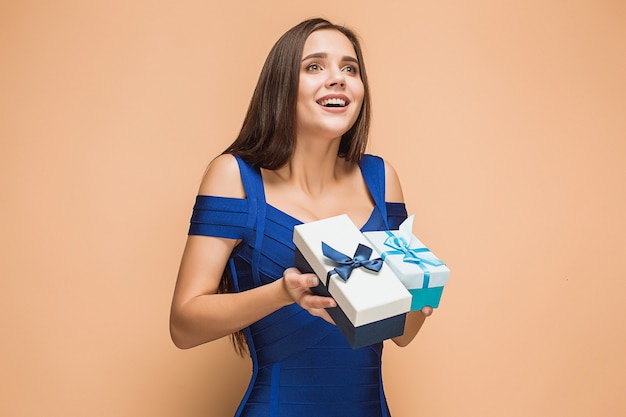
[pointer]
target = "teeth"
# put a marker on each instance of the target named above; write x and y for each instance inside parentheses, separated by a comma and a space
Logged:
(335, 102)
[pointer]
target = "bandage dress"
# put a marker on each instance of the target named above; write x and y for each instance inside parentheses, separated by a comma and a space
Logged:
(301, 365)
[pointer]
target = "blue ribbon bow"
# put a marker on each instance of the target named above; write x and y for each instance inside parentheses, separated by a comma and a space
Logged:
(401, 246)
(400, 242)
(347, 264)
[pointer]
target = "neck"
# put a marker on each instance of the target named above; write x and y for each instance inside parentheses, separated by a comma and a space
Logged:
(313, 166)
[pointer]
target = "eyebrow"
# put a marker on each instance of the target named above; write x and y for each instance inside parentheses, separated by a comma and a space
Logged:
(325, 55)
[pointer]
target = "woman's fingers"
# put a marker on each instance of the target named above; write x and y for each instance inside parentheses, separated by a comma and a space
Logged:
(299, 286)
(312, 301)
(322, 313)
(295, 280)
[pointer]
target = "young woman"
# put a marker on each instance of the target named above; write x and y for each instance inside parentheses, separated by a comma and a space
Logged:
(299, 157)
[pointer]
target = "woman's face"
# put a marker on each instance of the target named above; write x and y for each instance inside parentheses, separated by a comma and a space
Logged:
(330, 93)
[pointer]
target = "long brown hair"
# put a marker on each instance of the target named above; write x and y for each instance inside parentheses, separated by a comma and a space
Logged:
(268, 133)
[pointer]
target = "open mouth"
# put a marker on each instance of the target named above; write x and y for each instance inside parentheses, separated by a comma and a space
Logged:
(333, 102)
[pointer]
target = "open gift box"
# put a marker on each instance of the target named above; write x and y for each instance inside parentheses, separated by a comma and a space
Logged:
(421, 272)
(371, 305)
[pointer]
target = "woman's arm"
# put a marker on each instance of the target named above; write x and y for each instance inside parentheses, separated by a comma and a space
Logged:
(198, 314)
(414, 319)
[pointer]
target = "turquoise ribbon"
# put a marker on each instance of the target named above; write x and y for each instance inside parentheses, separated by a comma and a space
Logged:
(347, 264)
(402, 247)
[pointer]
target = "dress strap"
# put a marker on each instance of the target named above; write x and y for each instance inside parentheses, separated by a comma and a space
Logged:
(373, 171)
(255, 193)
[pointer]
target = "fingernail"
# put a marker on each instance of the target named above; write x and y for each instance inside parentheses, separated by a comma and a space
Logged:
(313, 280)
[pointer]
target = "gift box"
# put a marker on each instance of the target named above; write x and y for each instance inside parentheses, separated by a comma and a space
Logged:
(371, 301)
(421, 272)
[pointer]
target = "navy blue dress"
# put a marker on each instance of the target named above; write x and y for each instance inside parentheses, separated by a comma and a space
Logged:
(301, 365)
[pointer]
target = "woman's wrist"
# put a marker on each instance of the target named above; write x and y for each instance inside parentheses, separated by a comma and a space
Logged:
(282, 295)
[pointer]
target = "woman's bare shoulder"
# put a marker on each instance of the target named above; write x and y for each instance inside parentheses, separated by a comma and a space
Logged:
(393, 187)
(222, 178)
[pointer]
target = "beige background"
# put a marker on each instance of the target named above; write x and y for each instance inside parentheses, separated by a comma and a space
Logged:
(505, 121)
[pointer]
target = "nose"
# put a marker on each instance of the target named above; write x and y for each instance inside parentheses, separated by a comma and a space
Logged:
(336, 79)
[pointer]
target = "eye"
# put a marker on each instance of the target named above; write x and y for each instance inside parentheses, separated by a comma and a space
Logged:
(351, 68)
(313, 67)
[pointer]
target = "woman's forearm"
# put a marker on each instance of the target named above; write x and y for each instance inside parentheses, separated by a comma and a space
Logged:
(205, 318)
(414, 322)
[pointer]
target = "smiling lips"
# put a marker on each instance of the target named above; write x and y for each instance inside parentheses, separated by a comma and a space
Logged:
(333, 102)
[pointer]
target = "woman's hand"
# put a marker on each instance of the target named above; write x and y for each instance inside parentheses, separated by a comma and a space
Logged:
(427, 311)
(298, 287)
